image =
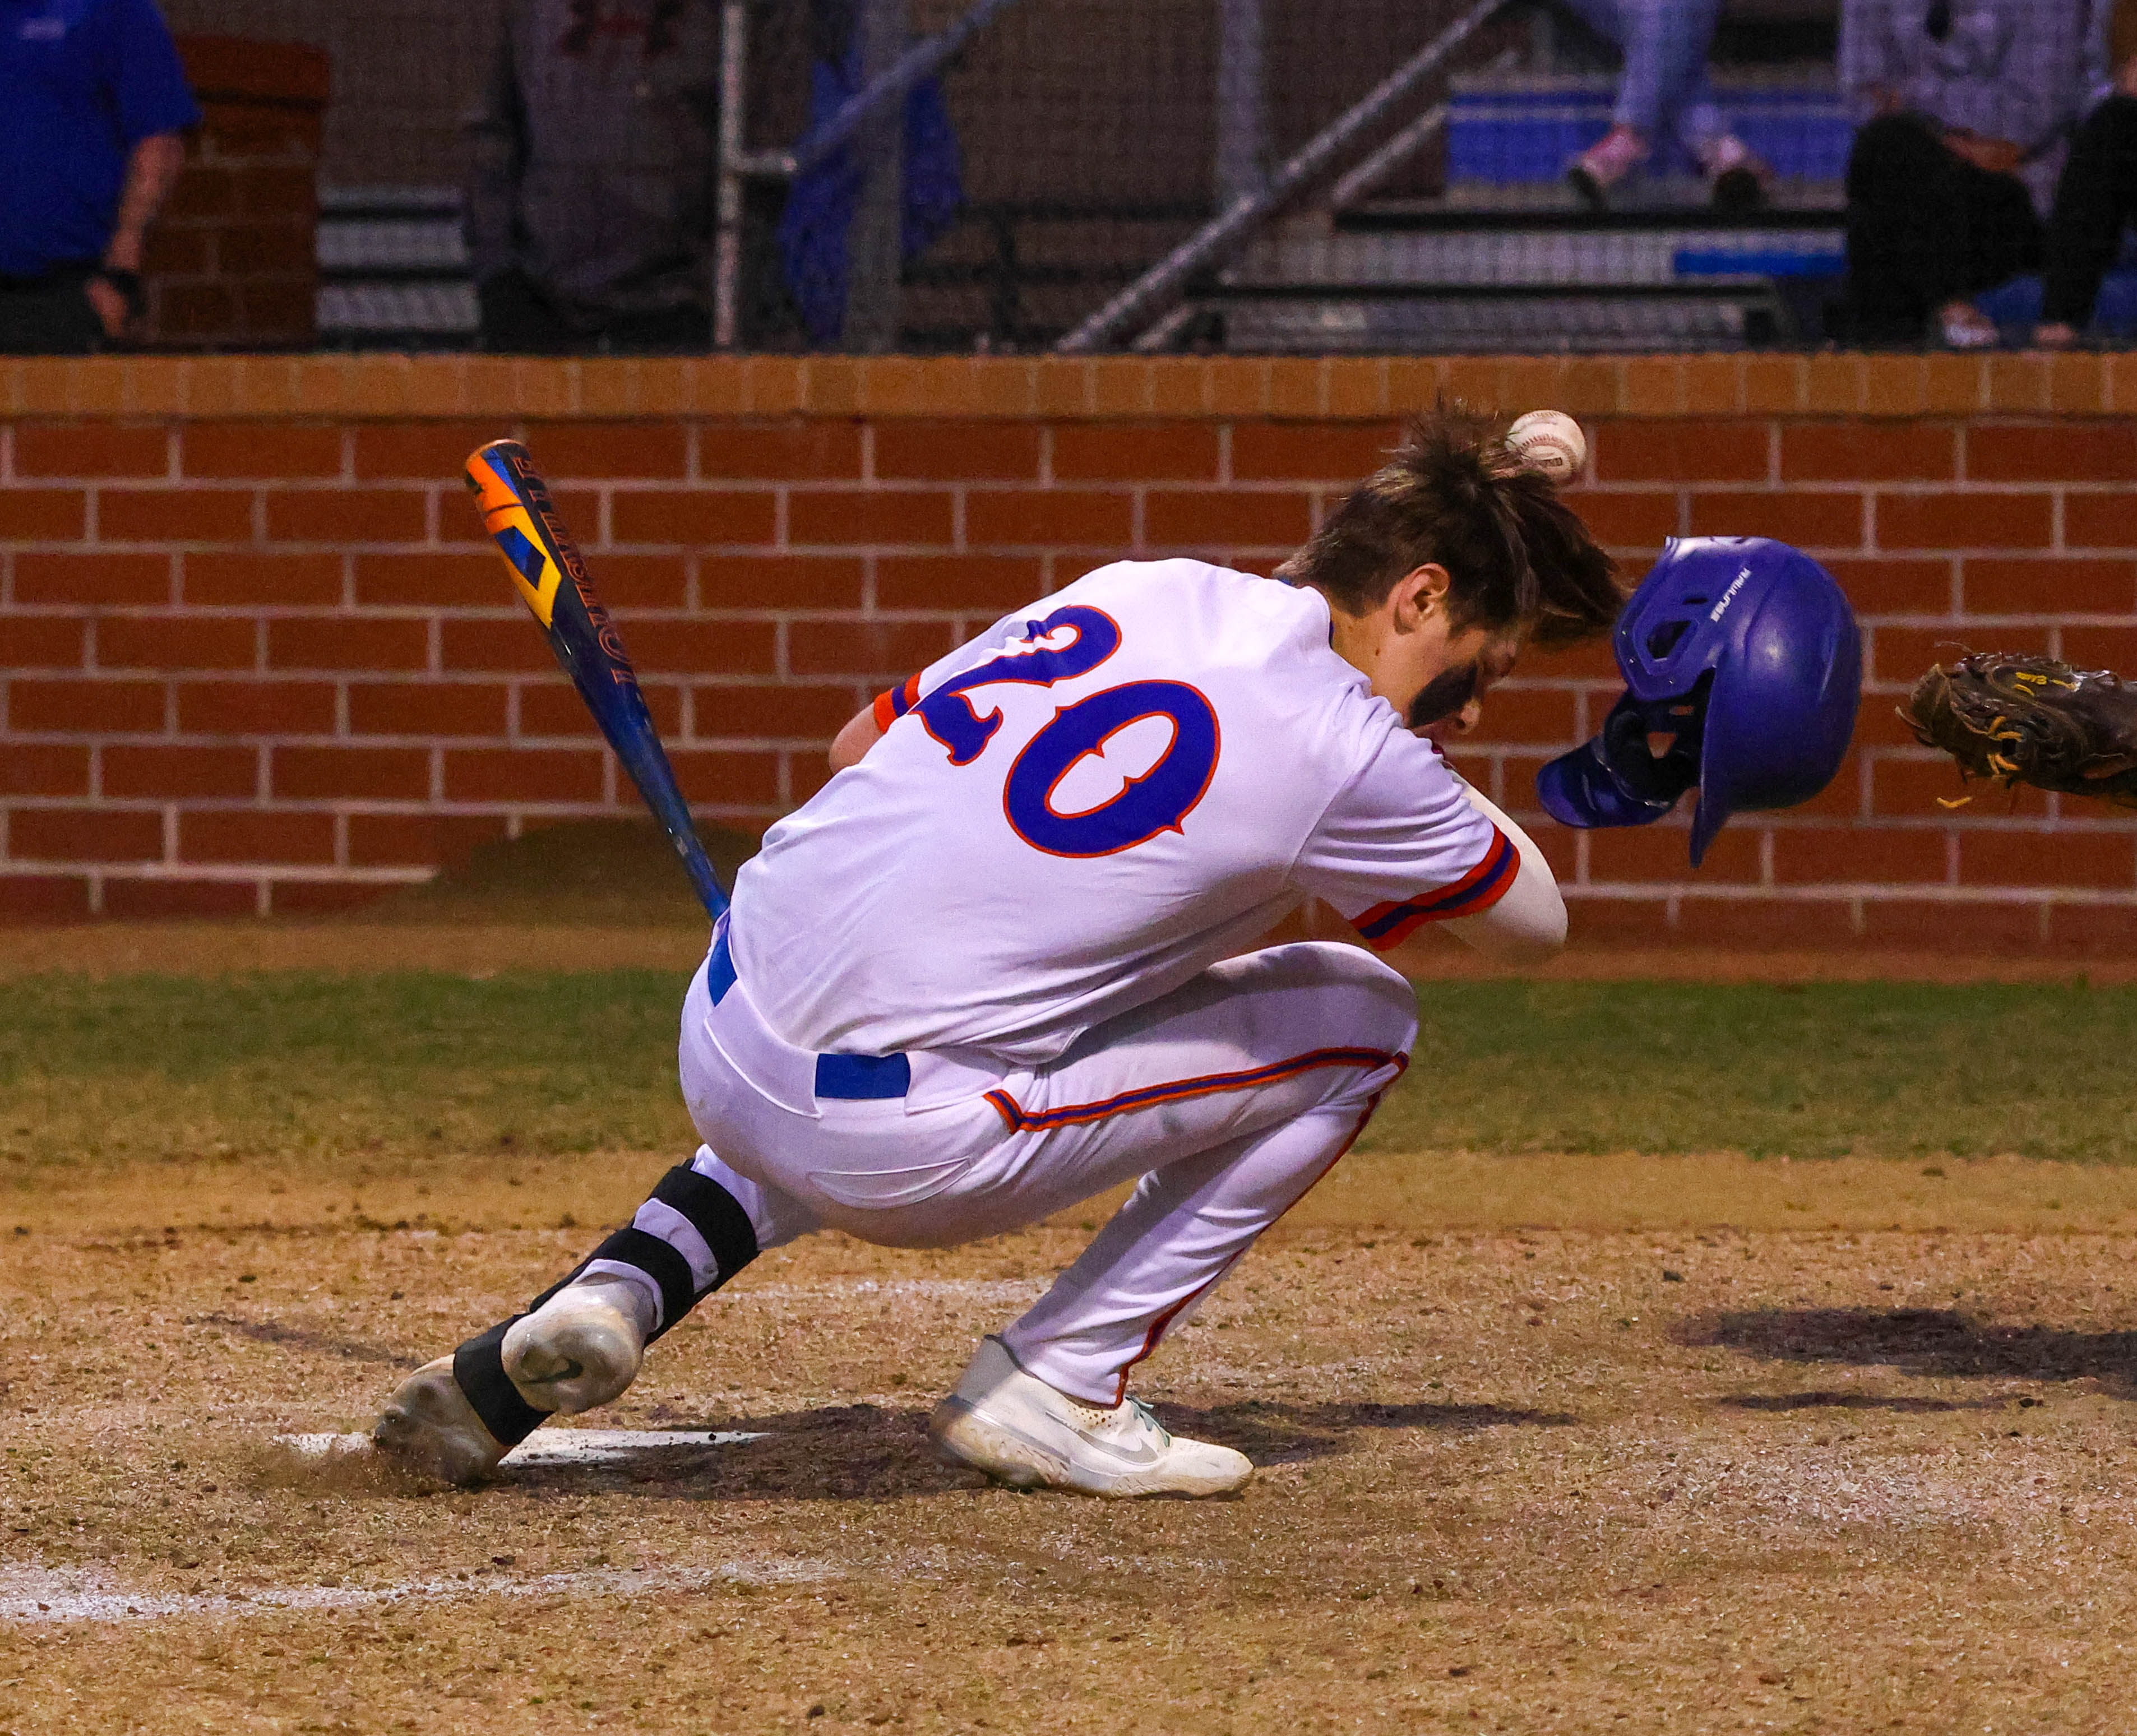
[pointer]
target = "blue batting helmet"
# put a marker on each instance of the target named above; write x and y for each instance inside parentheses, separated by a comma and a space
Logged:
(1745, 652)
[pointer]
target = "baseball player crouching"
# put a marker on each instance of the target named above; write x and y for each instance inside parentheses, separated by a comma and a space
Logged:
(988, 970)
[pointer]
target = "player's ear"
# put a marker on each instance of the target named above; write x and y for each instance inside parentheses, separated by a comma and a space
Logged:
(1419, 594)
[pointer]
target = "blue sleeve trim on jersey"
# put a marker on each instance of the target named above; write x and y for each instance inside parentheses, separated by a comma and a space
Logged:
(1475, 892)
(892, 706)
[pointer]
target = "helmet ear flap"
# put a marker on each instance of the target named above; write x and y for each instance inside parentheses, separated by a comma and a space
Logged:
(1615, 780)
(1627, 744)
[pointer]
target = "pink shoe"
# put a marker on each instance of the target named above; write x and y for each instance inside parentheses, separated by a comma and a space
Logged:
(1603, 164)
(1965, 327)
(1738, 179)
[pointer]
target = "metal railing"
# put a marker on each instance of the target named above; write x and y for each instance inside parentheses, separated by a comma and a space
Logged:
(738, 164)
(1145, 312)
(1158, 290)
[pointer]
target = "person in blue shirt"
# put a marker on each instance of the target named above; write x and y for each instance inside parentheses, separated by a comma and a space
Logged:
(92, 103)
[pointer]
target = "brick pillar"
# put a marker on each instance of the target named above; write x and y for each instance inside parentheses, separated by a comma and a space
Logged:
(232, 263)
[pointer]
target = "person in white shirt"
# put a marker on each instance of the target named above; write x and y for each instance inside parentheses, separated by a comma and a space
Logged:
(996, 965)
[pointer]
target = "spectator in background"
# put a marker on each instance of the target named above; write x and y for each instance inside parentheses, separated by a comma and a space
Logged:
(590, 208)
(818, 216)
(92, 103)
(2096, 198)
(1664, 90)
(1965, 105)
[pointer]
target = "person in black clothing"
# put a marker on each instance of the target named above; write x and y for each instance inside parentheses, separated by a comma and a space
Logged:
(589, 202)
(2095, 201)
(1929, 227)
(1965, 105)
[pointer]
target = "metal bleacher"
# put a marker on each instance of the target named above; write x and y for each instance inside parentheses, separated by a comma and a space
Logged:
(1506, 254)
(1500, 255)
(393, 269)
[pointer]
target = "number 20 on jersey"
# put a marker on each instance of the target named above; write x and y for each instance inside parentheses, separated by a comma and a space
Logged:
(1156, 800)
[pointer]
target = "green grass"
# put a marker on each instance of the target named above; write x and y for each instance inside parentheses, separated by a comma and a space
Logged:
(296, 1066)
(1818, 1070)
(293, 1064)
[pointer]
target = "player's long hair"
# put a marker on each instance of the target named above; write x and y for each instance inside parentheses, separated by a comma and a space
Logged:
(1454, 494)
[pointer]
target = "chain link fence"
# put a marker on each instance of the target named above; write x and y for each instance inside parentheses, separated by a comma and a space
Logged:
(1092, 138)
(405, 73)
(1089, 135)
(1087, 130)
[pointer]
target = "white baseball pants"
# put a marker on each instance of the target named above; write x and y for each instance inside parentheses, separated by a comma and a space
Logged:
(1230, 1097)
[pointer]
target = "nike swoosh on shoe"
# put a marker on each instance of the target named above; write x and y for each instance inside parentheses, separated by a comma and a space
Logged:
(1141, 1458)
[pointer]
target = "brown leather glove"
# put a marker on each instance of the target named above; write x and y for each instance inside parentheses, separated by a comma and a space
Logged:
(2031, 720)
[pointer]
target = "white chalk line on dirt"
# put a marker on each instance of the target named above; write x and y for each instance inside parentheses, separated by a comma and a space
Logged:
(560, 1447)
(30, 1594)
(961, 1290)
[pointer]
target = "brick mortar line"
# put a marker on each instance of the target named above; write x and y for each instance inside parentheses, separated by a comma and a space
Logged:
(352, 427)
(419, 679)
(1875, 752)
(649, 488)
(355, 807)
(647, 614)
(1855, 825)
(1976, 489)
(1873, 891)
(653, 615)
(1781, 824)
(323, 873)
(2047, 553)
(364, 388)
(2002, 618)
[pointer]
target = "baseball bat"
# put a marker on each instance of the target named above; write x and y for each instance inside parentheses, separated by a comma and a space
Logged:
(522, 521)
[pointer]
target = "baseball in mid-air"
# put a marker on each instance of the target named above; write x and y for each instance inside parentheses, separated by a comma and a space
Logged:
(1550, 441)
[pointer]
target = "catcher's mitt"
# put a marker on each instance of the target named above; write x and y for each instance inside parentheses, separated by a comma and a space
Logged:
(2031, 720)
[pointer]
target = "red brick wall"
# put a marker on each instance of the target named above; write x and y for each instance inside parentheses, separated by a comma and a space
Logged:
(232, 261)
(256, 658)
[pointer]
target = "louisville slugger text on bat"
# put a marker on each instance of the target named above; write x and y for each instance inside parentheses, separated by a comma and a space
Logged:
(521, 519)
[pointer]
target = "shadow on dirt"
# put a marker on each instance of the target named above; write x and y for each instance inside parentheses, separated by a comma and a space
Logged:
(305, 1338)
(1923, 1341)
(839, 1452)
(1272, 1433)
(869, 1453)
(1770, 1402)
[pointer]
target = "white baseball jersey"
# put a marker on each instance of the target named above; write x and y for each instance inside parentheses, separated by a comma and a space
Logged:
(1089, 805)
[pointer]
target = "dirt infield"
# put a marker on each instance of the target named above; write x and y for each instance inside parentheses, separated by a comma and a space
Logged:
(1573, 1477)
(1547, 1443)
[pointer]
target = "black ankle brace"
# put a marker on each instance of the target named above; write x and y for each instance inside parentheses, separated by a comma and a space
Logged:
(716, 1214)
(479, 1372)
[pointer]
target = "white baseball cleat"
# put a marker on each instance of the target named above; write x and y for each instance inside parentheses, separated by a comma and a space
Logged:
(429, 1427)
(582, 1347)
(1029, 1435)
